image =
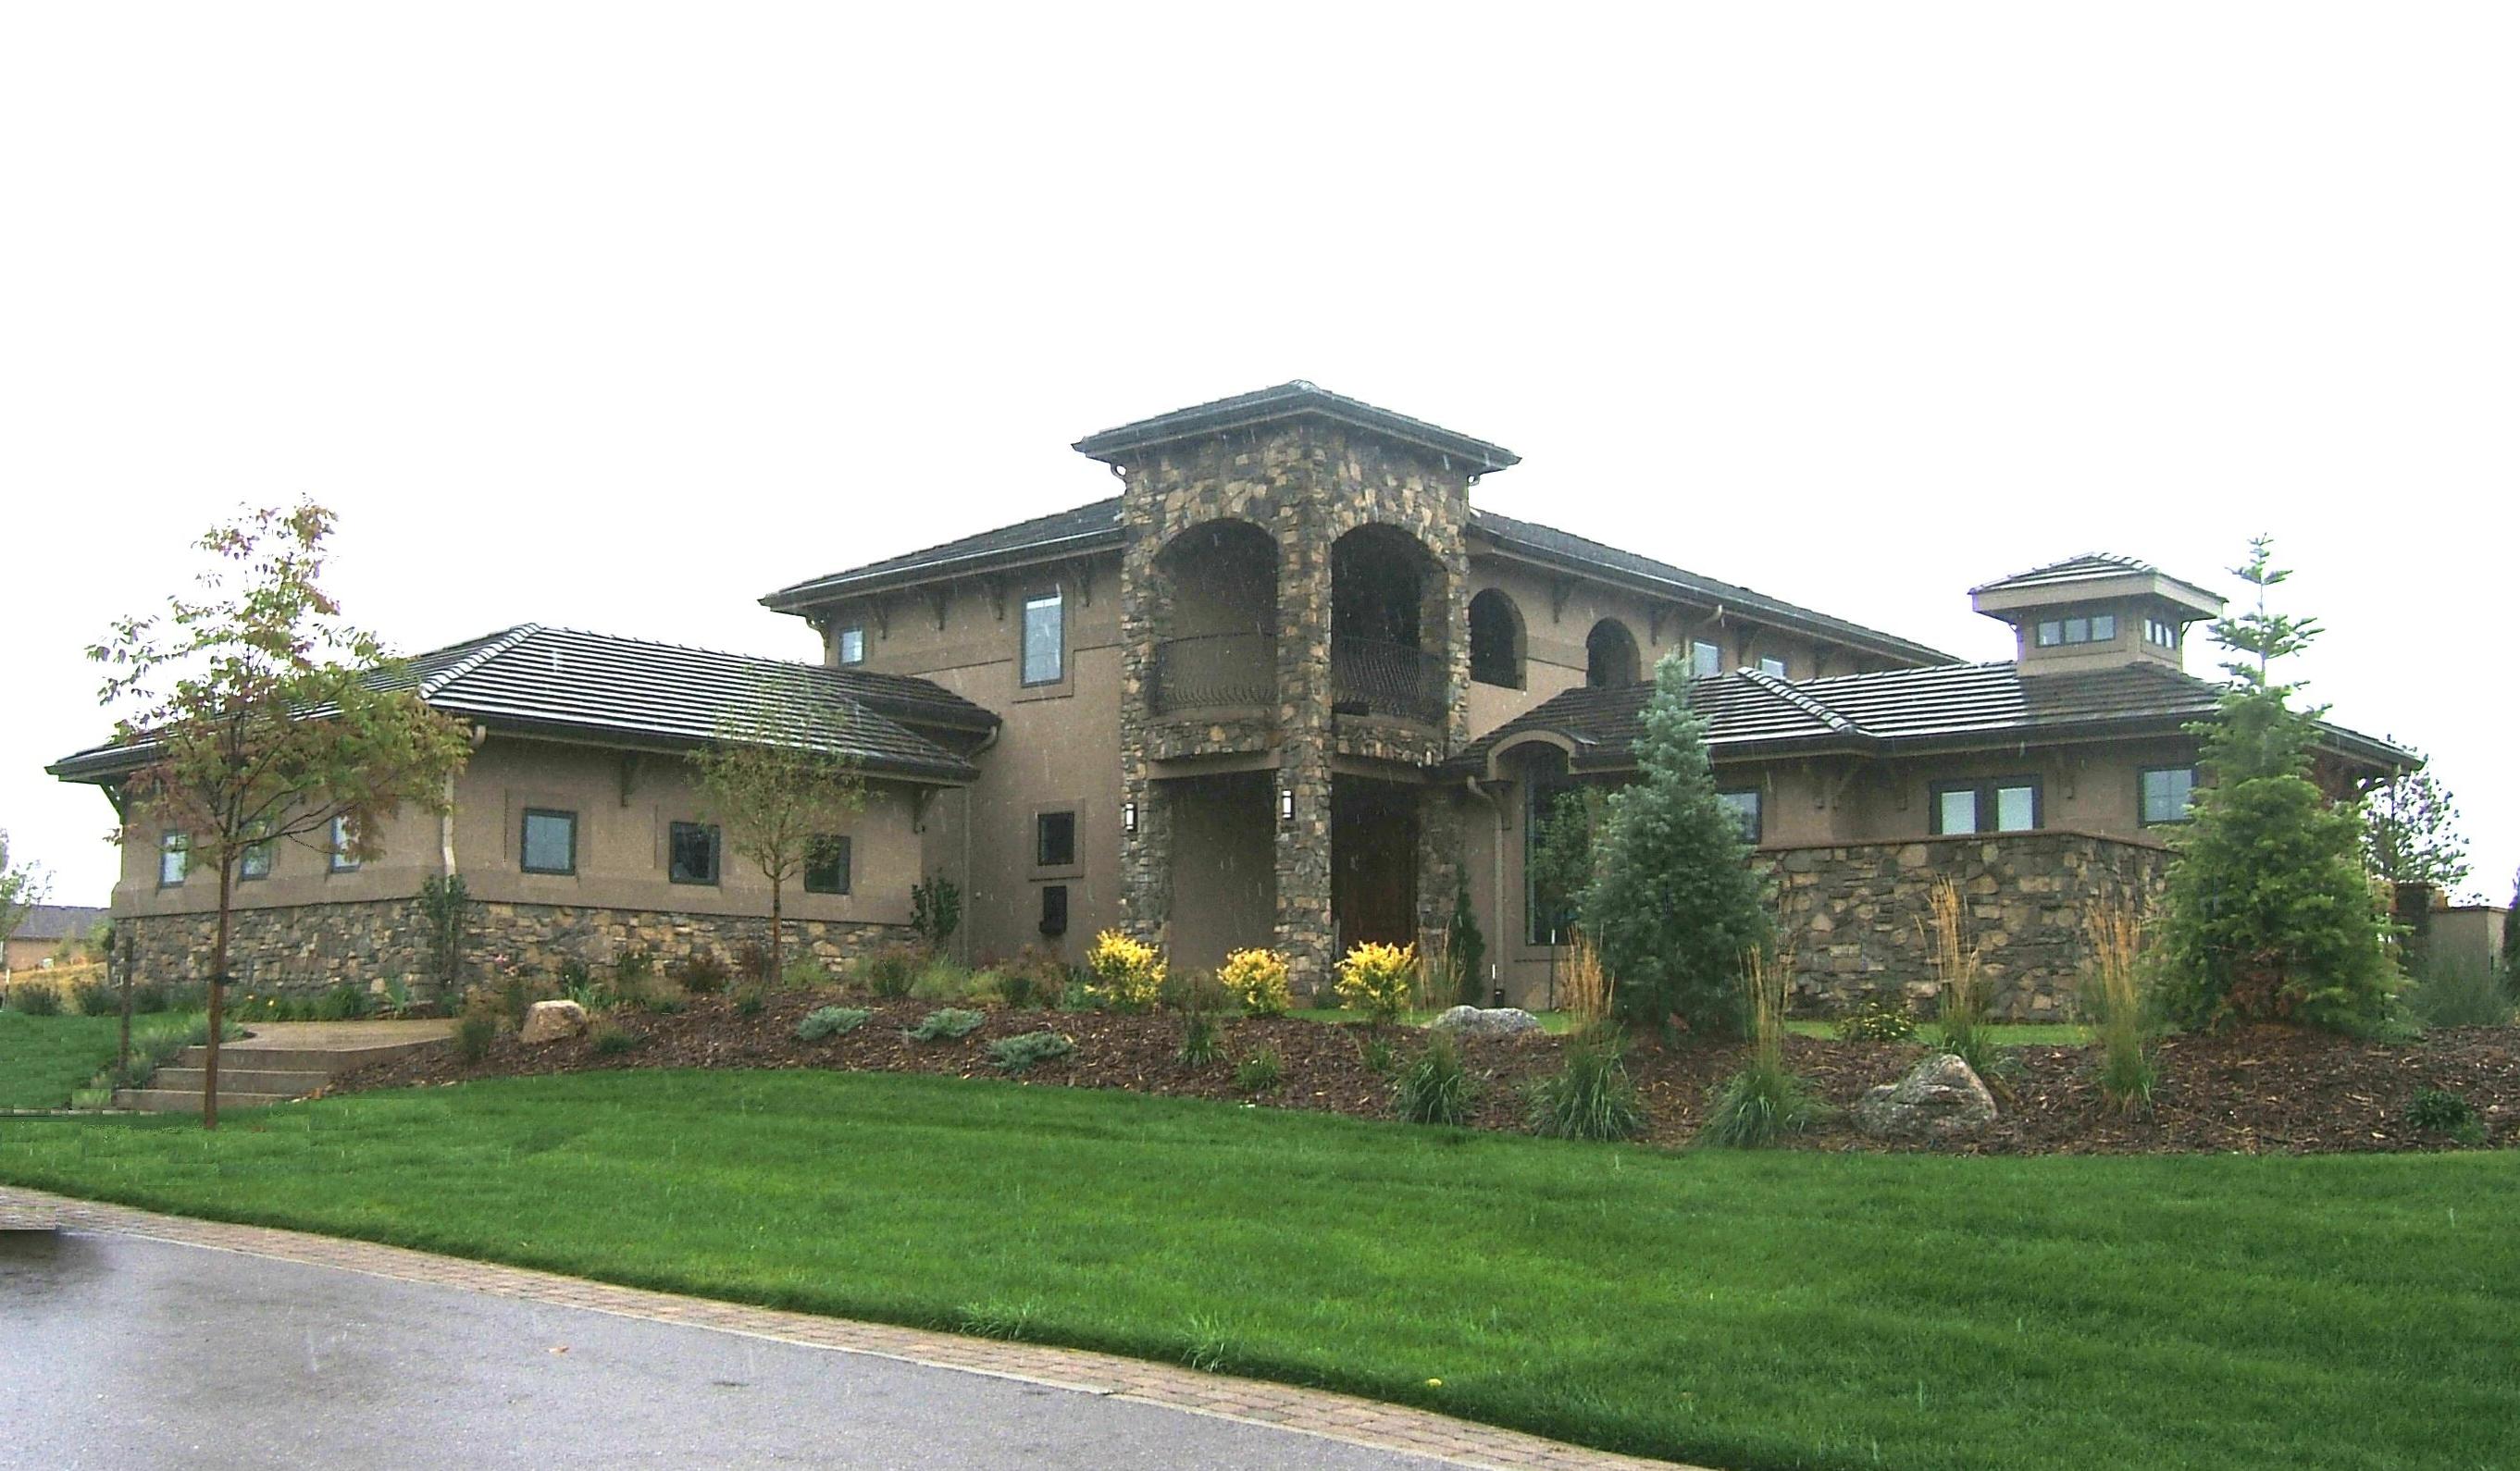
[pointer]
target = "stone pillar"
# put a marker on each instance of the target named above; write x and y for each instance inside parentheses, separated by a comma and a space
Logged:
(1305, 932)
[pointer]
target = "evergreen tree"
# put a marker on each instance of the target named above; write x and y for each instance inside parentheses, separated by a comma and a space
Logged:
(1464, 948)
(1674, 904)
(2410, 832)
(2270, 913)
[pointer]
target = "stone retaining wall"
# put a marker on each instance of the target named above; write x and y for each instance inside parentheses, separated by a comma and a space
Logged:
(1855, 915)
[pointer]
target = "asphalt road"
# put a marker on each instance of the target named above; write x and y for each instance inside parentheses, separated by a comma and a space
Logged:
(122, 1352)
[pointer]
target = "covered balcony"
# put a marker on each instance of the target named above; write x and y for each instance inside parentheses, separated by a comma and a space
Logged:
(1216, 632)
(1387, 627)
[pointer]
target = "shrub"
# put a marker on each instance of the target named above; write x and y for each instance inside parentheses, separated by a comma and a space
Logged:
(1259, 1072)
(702, 972)
(444, 909)
(343, 1002)
(1592, 1097)
(1128, 972)
(1021, 1052)
(2450, 992)
(753, 961)
(1192, 992)
(474, 1033)
(148, 1001)
(1877, 1016)
(1584, 988)
(1963, 1024)
(806, 973)
(1035, 977)
(1377, 979)
(1077, 997)
(749, 1002)
(1256, 979)
(2115, 996)
(946, 1023)
(632, 969)
(1378, 1054)
(1465, 947)
(1202, 1042)
(611, 1039)
(2439, 1111)
(942, 980)
(94, 998)
(1435, 1089)
(572, 975)
(1763, 1103)
(890, 971)
(831, 1021)
(35, 998)
(658, 1000)
(935, 910)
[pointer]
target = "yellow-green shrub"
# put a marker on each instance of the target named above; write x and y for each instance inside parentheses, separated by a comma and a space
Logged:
(1256, 979)
(1377, 979)
(1128, 972)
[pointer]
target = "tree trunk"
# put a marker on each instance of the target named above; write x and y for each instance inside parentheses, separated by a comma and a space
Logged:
(219, 995)
(777, 969)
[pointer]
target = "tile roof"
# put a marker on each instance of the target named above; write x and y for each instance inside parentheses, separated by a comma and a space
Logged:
(1292, 400)
(57, 921)
(1083, 528)
(1947, 706)
(2090, 566)
(562, 679)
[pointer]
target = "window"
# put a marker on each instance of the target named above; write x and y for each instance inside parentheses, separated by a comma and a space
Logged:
(548, 843)
(2092, 628)
(344, 860)
(1054, 840)
(826, 864)
(1496, 641)
(174, 859)
(1045, 639)
(2006, 804)
(851, 645)
(2161, 632)
(1553, 820)
(1611, 659)
(1053, 908)
(2168, 794)
(690, 853)
(255, 860)
(1706, 660)
(1770, 664)
(1745, 810)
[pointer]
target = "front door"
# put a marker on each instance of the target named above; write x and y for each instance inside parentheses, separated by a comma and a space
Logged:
(1373, 862)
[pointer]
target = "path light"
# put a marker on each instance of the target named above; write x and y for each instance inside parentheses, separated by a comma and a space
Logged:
(1286, 804)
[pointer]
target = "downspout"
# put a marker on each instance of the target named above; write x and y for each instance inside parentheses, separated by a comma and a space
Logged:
(1496, 875)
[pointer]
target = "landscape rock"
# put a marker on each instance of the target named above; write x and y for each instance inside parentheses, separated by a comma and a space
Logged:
(551, 1021)
(1476, 1021)
(1941, 1099)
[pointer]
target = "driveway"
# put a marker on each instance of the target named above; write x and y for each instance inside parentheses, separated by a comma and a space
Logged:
(120, 1350)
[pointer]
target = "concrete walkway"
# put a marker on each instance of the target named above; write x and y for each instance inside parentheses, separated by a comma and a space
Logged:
(137, 1339)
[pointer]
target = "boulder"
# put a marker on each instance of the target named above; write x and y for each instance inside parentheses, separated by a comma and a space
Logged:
(1941, 1099)
(1477, 1021)
(551, 1021)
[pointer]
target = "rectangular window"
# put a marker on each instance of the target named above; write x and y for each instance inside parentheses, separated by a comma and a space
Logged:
(174, 859)
(690, 853)
(2051, 633)
(1045, 639)
(548, 843)
(851, 644)
(2089, 628)
(1772, 664)
(1053, 908)
(1746, 811)
(2161, 632)
(2168, 794)
(2006, 804)
(826, 864)
(1054, 840)
(2104, 627)
(1706, 660)
(1549, 911)
(339, 839)
(255, 860)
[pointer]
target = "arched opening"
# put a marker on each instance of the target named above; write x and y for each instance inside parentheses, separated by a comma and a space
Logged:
(1610, 655)
(1388, 626)
(1216, 622)
(1496, 639)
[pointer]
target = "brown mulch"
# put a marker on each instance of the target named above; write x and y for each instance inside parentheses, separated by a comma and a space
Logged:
(2256, 1090)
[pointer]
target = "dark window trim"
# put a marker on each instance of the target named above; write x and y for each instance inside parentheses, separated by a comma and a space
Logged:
(268, 848)
(2062, 624)
(1758, 796)
(2141, 801)
(1023, 629)
(1053, 908)
(1075, 838)
(174, 840)
(822, 843)
(716, 854)
(337, 848)
(1989, 807)
(1516, 655)
(524, 821)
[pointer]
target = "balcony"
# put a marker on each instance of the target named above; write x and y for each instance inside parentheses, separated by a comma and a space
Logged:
(1370, 677)
(1216, 671)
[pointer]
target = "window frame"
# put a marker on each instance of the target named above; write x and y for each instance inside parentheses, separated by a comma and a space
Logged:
(1515, 666)
(2058, 632)
(1054, 594)
(841, 637)
(337, 852)
(820, 844)
(2143, 798)
(1711, 666)
(524, 847)
(1757, 823)
(1775, 666)
(1987, 793)
(717, 853)
(1055, 913)
(1042, 819)
(2161, 632)
(267, 849)
(177, 844)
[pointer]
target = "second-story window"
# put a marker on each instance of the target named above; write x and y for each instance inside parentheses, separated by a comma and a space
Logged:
(2006, 804)
(1772, 664)
(1045, 639)
(2168, 792)
(344, 839)
(1744, 807)
(850, 645)
(1054, 840)
(548, 841)
(174, 859)
(2161, 632)
(1705, 659)
(255, 860)
(2094, 628)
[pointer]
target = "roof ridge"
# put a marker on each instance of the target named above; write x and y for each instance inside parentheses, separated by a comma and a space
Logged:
(497, 645)
(1785, 689)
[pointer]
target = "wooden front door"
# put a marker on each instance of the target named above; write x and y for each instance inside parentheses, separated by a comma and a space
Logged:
(1373, 862)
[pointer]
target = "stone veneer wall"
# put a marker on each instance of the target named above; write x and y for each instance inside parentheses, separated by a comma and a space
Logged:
(1853, 915)
(318, 946)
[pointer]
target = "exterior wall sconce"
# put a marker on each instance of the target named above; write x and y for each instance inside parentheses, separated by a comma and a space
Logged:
(1129, 818)
(1286, 804)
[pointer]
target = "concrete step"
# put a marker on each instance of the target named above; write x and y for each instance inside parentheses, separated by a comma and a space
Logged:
(325, 1061)
(238, 1075)
(176, 1100)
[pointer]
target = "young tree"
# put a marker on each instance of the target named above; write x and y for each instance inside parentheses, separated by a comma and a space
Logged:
(2410, 832)
(22, 888)
(1675, 906)
(2270, 913)
(1466, 949)
(777, 784)
(263, 716)
(1563, 859)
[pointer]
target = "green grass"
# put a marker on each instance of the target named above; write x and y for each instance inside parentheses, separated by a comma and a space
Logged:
(2010, 1034)
(1804, 1310)
(45, 1059)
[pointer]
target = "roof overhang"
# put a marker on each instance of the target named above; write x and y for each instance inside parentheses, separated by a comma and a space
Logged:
(1296, 400)
(2002, 599)
(846, 585)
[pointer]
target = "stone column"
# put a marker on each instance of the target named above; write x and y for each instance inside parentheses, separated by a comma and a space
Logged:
(1305, 934)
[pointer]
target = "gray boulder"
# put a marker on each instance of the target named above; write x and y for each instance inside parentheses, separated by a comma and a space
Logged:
(1941, 1099)
(1476, 1021)
(551, 1021)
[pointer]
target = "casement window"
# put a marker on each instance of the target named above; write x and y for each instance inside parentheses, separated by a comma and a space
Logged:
(850, 645)
(338, 847)
(691, 853)
(2002, 804)
(547, 841)
(1705, 659)
(2161, 632)
(826, 864)
(1744, 806)
(1772, 664)
(256, 859)
(174, 860)
(1054, 840)
(2168, 794)
(1044, 638)
(2093, 628)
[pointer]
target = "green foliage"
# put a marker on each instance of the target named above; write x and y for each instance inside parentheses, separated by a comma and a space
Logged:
(1592, 1096)
(22, 887)
(35, 998)
(945, 1024)
(891, 972)
(702, 972)
(611, 1039)
(1674, 907)
(94, 998)
(656, 1000)
(2268, 912)
(831, 1021)
(2440, 1111)
(752, 962)
(632, 969)
(935, 910)
(1379, 980)
(1128, 972)
(1879, 1016)
(1465, 949)
(475, 1032)
(1026, 1050)
(806, 973)
(1436, 1088)
(1202, 1041)
(343, 1003)
(778, 787)
(1378, 1054)
(2451, 993)
(1256, 979)
(445, 915)
(148, 1001)
(1035, 977)
(749, 1001)
(1763, 1103)
(1260, 1072)
(2410, 832)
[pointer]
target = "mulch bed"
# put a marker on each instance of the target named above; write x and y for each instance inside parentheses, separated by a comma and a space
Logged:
(2255, 1089)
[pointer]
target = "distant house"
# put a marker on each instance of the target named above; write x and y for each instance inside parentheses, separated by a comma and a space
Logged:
(46, 927)
(1289, 687)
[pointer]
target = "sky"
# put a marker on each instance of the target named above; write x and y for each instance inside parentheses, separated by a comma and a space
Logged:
(620, 315)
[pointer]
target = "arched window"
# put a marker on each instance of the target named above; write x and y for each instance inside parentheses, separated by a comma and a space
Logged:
(1496, 639)
(1610, 655)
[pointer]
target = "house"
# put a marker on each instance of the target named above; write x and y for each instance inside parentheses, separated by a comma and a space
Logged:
(1291, 687)
(42, 934)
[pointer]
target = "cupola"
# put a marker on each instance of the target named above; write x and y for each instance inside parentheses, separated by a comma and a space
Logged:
(2096, 611)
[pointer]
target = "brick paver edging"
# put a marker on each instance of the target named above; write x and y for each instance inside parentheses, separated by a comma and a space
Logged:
(1333, 1416)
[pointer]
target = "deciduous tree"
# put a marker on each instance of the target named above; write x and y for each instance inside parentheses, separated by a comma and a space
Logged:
(778, 785)
(22, 888)
(2410, 832)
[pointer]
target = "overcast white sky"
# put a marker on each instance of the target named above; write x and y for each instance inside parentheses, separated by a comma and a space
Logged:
(619, 316)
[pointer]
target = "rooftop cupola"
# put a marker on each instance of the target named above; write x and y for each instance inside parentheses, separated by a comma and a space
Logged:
(2096, 611)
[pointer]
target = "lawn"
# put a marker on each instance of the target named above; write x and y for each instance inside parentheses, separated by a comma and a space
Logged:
(1788, 1310)
(44, 1059)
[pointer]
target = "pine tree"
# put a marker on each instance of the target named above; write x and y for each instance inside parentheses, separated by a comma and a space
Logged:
(1465, 949)
(1674, 906)
(2410, 832)
(2270, 913)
